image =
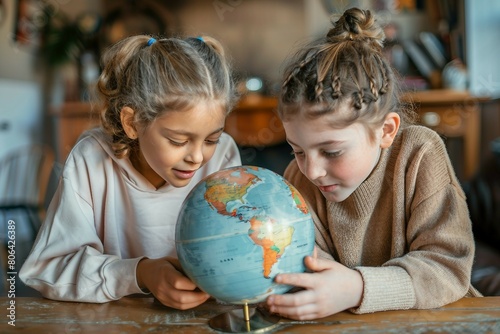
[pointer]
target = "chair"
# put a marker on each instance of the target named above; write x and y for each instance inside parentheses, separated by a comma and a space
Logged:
(24, 178)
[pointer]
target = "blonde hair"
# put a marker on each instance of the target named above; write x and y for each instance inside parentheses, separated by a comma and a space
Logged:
(157, 76)
(345, 66)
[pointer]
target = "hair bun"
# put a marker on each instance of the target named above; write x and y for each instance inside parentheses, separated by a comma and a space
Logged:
(355, 24)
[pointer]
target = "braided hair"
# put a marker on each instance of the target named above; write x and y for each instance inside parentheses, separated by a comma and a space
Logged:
(345, 66)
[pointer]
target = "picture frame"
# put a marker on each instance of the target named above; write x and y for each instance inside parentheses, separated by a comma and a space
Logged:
(30, 18)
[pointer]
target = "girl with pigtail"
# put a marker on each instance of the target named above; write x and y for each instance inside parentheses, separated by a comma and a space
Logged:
(392, 225)
(110, 228)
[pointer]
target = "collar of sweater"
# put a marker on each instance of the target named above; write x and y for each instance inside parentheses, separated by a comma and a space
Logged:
(363, 200)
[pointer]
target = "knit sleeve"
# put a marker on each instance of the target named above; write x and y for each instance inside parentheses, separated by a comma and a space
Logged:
(436, 232)
(435, 271)
(441, 249)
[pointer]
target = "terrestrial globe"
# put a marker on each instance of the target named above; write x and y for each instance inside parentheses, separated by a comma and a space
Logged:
(240, 227)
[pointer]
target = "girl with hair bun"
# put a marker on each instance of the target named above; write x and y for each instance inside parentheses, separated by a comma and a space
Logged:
(392, 225)
(110, 228)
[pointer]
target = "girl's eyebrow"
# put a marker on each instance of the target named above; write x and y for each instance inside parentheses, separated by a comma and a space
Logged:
(323, 143)
(187, 133)
(217, 131)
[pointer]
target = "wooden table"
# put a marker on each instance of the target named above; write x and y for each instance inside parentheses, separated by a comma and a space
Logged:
(143, 315)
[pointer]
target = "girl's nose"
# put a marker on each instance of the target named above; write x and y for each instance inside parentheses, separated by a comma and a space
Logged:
(314, 169)
(195, 155)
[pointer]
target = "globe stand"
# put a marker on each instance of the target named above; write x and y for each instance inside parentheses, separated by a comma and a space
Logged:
(246, 320)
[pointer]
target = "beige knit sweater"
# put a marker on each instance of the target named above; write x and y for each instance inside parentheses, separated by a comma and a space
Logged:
(406, 229)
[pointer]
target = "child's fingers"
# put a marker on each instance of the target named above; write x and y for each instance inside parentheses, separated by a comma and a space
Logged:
(299, 305)
(182, 300)
(306, 280)
(318, 264)
(178, 281)
(175, 263)
(302, 280)
(306, 312)
(297, 299)
(181, 282)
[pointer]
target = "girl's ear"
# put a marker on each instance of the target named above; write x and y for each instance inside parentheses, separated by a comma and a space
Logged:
(390, 129)
(127, 118)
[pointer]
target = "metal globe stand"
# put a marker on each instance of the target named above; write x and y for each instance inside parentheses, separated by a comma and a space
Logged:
(245, 320)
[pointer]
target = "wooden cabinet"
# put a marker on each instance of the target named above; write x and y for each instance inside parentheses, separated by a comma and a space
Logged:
(70, 120)
(254, 122)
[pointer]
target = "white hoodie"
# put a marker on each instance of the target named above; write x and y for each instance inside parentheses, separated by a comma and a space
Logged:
(105, 217)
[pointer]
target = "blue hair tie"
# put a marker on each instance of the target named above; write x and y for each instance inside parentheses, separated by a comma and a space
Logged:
(151, 41)
(200, 38)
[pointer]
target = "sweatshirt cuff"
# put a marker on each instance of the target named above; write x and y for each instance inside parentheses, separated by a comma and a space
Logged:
(385, 288)
(121, 279)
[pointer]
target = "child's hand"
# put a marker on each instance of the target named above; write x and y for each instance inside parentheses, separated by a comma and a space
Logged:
(330, 288)
(164, 278)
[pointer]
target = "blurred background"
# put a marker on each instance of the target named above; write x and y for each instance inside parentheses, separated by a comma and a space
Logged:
(50, 51)
(445, 52)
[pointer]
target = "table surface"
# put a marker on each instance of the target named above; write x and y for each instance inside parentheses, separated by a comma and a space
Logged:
(143, 315)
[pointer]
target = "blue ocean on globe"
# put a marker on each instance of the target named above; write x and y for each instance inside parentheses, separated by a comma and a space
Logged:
(240, 227)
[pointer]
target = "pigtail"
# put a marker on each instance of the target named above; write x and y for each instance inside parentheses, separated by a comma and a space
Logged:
(213, 43)
(287, 87)
(385, 76)
(370, 73)
(217, 69)
(110, 86)
(308, 58)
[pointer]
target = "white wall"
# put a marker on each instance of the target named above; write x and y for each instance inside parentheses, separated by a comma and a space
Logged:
(16, 61)
(257, 34)
(22, 110)
(482, 29)
(20, 92)
(21, 114)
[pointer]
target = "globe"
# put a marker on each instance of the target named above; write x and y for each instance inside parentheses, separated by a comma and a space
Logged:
(240, 227)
